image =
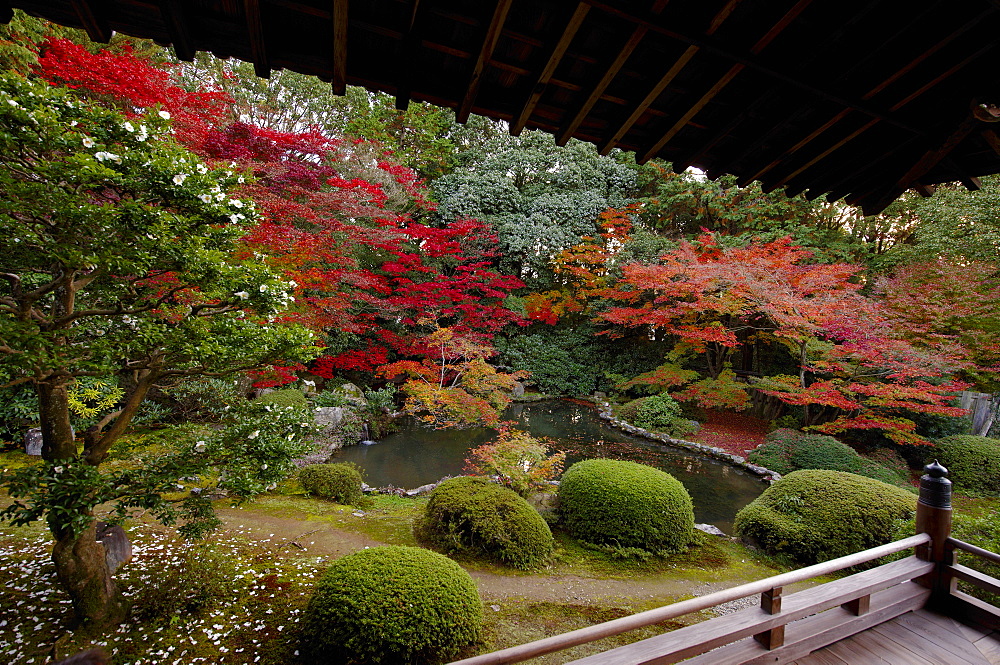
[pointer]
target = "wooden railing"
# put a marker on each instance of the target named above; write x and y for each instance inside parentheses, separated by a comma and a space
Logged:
(787, 627)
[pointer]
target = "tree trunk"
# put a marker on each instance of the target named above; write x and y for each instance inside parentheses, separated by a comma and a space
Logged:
(83, 572)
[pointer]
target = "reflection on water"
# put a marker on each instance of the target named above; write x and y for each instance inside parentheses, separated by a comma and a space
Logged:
(416, 456)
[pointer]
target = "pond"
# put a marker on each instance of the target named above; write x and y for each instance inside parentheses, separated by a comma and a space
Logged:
(416, 456)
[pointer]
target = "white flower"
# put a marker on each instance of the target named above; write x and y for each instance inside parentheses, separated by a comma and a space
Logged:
(234, 218)
(263, 467)
(220, 197)
(240, 180)
(236, 203)
(263, 288)
(309, 383)
(200, 447)
(201, 168)
(179, 178)
(242, 295)
(205, 198)
(164, 115)
(88, 142)
(58, 469)
(12, 102)
(104, 156)
(73, 123)
(254, 434)
(128, 127)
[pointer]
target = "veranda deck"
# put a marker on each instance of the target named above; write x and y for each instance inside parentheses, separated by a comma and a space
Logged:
(921, 637)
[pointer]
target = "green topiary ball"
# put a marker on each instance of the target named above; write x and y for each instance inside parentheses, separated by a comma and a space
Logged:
(817, 515)
(973, 462)
(336, 482)
(625, 505)
(787, 450)
(285, 398)
(393, 605)
(478, 517)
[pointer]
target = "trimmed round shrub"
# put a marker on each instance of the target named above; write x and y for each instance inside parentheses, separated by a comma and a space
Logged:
(973, 462)
(336, 482)
(391, 605)
(817, 515)
(285, 398)
(660, 413)
(478, 517)
(625, 506)
(787, 450)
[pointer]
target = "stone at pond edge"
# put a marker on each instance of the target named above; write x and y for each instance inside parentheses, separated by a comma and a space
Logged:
(518, 389)
(710, 529)
(117, 548)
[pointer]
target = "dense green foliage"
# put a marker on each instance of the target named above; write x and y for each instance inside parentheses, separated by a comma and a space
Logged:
(289, 397)
(660, 413)
(478, 517)
(787, 450)
(625, 506)
(817, 515)
(391, 606)
(336, 482)
(973, 462)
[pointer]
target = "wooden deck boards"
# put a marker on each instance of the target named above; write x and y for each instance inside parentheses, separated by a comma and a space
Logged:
(915, 638)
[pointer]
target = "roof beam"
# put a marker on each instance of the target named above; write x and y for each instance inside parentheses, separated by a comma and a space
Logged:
(713, 46)
(339, 73)
(555, 56)
(485, 52)
(932, 157)
(783, 157)
(93, 20)
(610, 73)
(408, 57)
(833, 40)
(175, 20)
(255, 32)
(609, 143)
(723, 81)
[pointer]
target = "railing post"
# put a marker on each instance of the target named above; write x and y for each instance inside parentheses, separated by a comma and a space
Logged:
(770, 602)
(934, 519)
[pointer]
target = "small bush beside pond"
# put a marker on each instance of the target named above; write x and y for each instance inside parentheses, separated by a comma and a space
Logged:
(787, 450)
(285, 398)
(626, 506)
(391, 605)
(660, 413)
(336, 482)
(973, 462)
(817, 515)
(478, 517)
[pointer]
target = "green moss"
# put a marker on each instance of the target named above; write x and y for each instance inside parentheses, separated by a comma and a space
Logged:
(625, 505)
(973, 462)
(787, 450)
(478, 517)
(391, 605)
(335, 482)
(285, 398)
(817, 515)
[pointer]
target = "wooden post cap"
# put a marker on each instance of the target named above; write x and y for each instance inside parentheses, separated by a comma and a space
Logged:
(935, 488)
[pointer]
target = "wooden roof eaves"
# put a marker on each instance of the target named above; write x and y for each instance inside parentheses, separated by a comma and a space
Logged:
(407, 58)
(489, 43)
(255, 33)
(174, 20)
(726, 78)
(339, 54)
(93, 20)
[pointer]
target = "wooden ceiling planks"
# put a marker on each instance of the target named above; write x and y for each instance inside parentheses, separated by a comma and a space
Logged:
(843, 98)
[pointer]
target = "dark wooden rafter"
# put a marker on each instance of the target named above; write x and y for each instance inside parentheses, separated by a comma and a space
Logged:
(611, 141)
(621, 57)
(992, 140)
(255, 32)
(780, 181)
(339, 66)
(717, 48)
(833, 40)
(92, 18)
(175, 20)
(818, 157)
(553, 60)
(485, 52)
(408, 56)
(725, 79)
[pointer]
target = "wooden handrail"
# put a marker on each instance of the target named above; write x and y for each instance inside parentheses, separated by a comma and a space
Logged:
(972, 549)
(642, 619)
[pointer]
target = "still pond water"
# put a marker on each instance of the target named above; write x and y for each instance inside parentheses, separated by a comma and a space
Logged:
(416, 456)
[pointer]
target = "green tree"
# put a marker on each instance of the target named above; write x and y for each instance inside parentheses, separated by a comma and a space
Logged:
(119, 262)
